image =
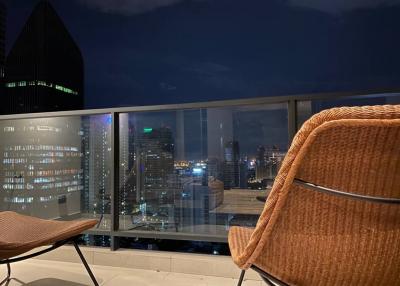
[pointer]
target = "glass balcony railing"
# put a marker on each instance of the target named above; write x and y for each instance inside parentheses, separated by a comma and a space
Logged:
(198, 171)
(56, 167)
(182, 172)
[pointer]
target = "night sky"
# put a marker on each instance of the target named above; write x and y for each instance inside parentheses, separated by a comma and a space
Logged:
(142, 52)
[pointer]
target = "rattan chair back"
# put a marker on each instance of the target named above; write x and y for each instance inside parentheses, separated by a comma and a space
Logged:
(305, 237)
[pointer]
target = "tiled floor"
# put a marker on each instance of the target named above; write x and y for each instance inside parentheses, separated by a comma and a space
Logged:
(51, 273)
(187, 263)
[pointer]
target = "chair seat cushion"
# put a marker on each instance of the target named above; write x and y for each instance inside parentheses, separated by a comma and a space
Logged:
(20, 233)
(238, 239)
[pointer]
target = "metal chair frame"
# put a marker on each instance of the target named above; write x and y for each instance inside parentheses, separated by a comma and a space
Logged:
(268, 278)
(271, 280)
(353, 196)
(53, 247)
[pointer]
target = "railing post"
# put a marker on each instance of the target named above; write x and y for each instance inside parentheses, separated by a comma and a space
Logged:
(114, 240)
(292, 119)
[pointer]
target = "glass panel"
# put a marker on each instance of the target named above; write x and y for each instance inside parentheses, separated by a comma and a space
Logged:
(56, 168)
(305, 109)
(199, 171)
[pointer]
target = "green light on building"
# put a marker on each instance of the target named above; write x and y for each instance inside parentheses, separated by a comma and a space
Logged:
(41, 83)
(147, 130)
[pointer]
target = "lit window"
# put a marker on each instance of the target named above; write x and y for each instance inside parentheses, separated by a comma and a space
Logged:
(41, 83)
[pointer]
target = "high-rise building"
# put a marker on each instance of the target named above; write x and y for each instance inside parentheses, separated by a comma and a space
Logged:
(268, 162)
(127, 170)
(44, 69)
(231, 165)
(243, 174)
(146, 175)
(155, 162)
(3, 15)
(41, 171)
(96, 149)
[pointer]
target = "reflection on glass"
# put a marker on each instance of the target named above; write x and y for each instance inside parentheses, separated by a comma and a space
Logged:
(56, 168)
(96, 164)
(199, 171)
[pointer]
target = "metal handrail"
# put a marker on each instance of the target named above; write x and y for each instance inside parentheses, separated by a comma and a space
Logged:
(353, 196)
(211, 104)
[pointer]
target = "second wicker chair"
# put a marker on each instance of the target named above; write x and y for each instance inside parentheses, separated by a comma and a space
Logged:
(333, 215)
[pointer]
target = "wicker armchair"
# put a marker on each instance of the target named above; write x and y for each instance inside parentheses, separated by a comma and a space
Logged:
(333, 215)
(20, 234)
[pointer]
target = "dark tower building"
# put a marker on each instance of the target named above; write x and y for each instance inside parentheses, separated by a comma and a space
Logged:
(3, 15)
(44, 69)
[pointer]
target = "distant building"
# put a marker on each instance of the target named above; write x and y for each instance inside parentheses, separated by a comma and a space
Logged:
(215, 168)
(41, 171)
(3, 16)
(147, 178)
(127, 170)
(231, 165)
(243, 174)
(155, 163)
(96, 165)
(268, 162)
(194, 206)
(44, 70)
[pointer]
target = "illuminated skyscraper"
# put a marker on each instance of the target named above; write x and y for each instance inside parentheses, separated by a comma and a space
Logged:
(96, 149)
(44, 69)
(41, 171)
(127, 171)
(156, 163)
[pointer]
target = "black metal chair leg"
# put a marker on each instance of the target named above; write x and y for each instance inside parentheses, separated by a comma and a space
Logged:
(269, 283)
(85, 264)
(8, 275)
(241, 278)
(101, 218)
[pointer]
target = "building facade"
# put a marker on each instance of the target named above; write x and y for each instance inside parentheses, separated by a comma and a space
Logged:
(41, 173)
(231, 165)
(3, 17)
(96, 165)
(44, 69)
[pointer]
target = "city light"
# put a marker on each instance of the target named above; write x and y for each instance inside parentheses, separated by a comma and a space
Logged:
(197, 171)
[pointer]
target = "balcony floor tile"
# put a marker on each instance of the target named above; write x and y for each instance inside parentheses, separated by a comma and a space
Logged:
(49, 273)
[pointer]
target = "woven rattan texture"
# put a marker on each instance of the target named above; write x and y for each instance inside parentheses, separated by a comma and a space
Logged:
(19, 233)
(308, 238)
